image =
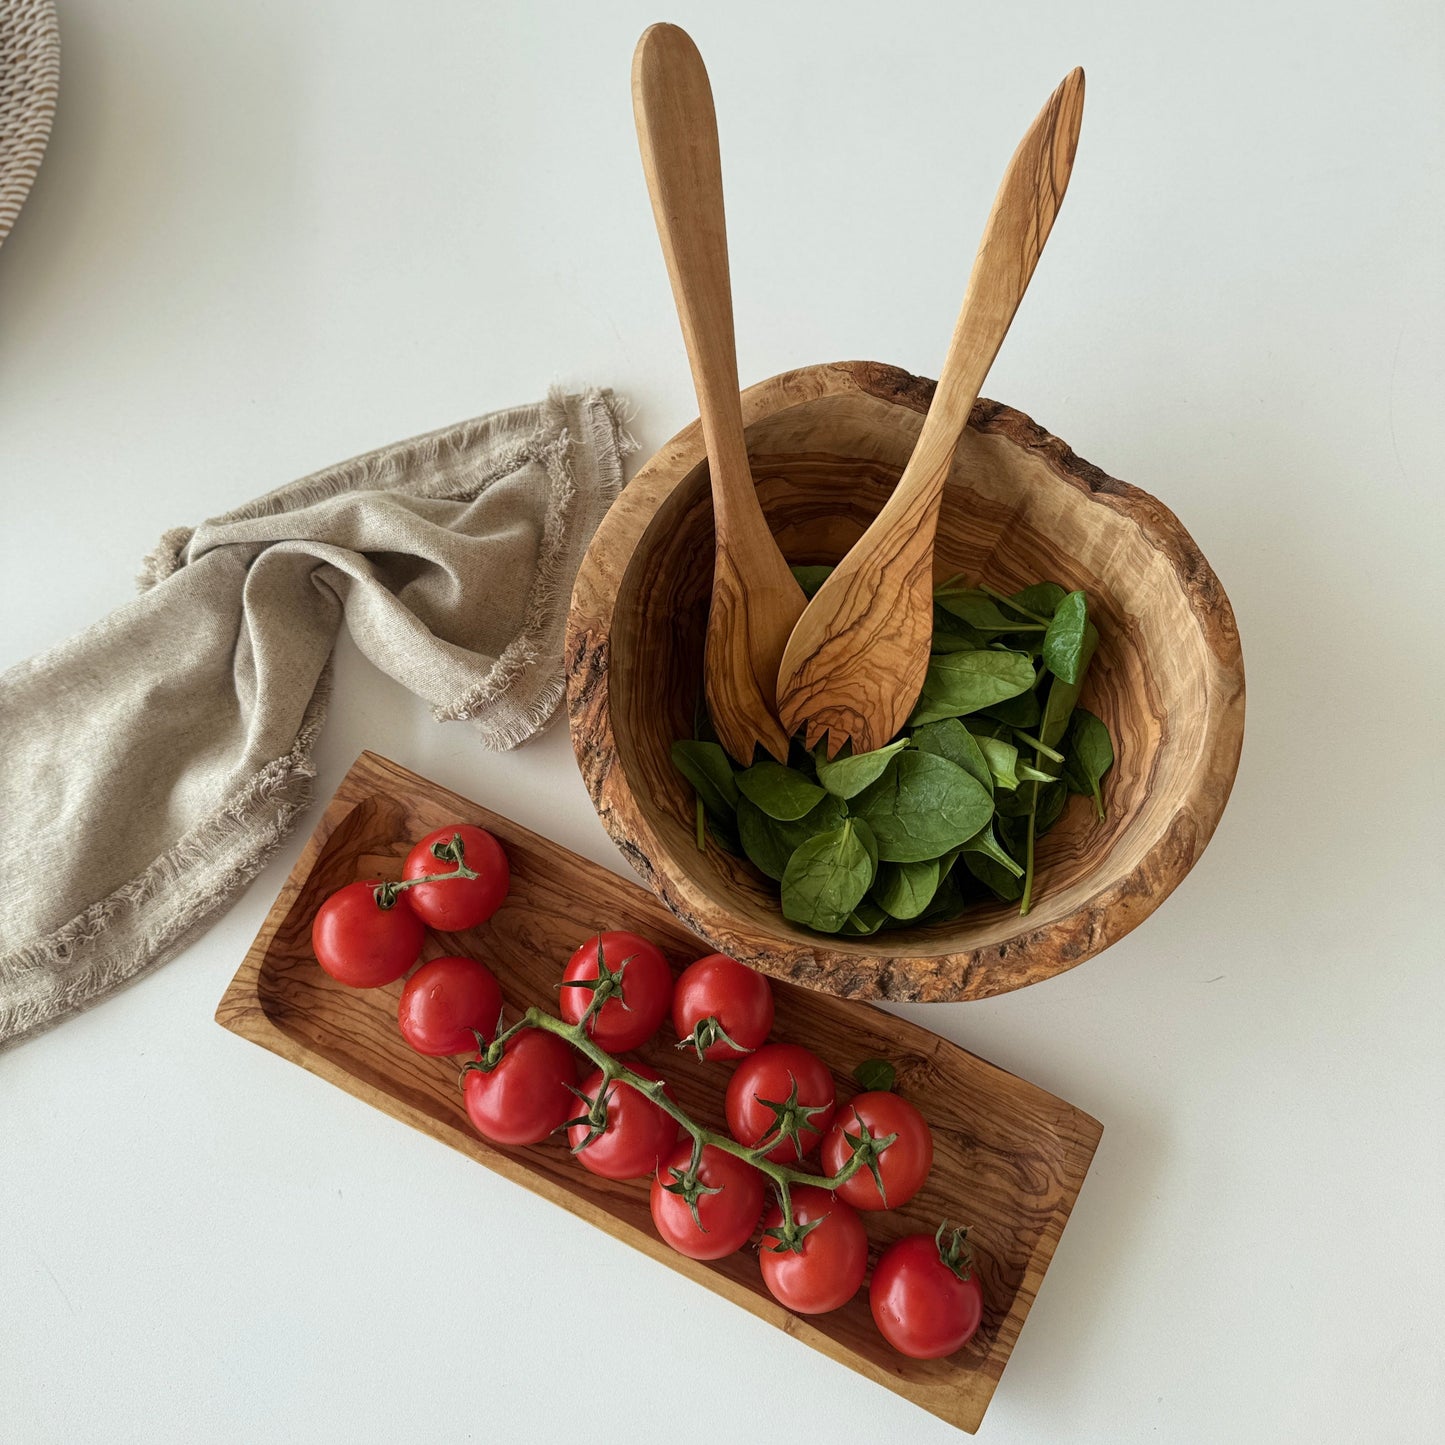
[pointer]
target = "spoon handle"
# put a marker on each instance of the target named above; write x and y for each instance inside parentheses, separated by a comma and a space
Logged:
(1023, 214)
(677, 133)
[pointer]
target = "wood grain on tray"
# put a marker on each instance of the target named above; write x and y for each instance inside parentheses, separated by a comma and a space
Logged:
(1009, 1157)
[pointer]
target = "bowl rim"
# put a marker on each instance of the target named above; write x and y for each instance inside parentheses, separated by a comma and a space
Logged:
(1027, 956)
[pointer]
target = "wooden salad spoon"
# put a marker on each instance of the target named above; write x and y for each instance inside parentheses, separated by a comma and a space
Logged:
(755, 599)
(855, 663)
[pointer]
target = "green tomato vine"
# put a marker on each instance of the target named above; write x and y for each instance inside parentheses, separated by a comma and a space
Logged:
(791, 1116)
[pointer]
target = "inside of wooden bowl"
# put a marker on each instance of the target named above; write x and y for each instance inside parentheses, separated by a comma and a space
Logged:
(824, 467)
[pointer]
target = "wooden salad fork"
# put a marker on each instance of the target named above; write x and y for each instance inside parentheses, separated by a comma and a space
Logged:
(755, 599)
(855, 663)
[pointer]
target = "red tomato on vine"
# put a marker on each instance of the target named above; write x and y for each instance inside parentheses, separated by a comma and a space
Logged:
(453, 904)
(638, 983)
(362, 944)
(785, 1092)
(709, 1215)
(824, 1270)
(446, 1003)
(527, 1093)
(901, 1168)
(925, 1294)
(634, 1132)
(722, 1008)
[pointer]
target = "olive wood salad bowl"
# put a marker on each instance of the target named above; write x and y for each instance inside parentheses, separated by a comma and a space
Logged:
(826, 444)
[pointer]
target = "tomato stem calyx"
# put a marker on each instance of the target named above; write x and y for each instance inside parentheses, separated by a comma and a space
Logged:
(607, 984)
(386, 894)
(866, 1149)
(790, 1118)
(709, 1031)
(689, 1188)
(595, 1117)
(790, 1234)
(957, 1254)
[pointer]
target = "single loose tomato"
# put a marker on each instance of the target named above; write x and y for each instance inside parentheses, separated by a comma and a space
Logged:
(726, 1192)
(722, 1008)
(828, 1265)
(901, 1167)
(359, 942)
(638, 983)
(453, 904)
(785, 1092)
(527, 1093)
(446, 1003)
(635, 1131)
(925, 1295)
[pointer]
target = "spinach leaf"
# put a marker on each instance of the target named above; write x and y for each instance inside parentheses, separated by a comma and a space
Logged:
(1030, 774)
(948, 903)
(870, 844)
(948, 738)
(1064, 650)
(980, 611)
(865, 919)
(904, 890)
(876, 1075)
(724, 833)
(1052, 801)
(1018, 712)
(846, 777)
(922, 806)
(963, 682)
(1063, 695)
(780, 792)
(1002, 759)
(1089, 754)
(1041, 600)
(706, 767)
(994, 876)
(987, 845)
(1012, 805)
(810, 579)
(826, 879)
(770, 843)
(927, 711)
(948, 640)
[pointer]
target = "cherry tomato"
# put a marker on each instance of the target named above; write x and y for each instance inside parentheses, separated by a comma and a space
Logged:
(455, 904)
(636, 1135)
(646, 990)
(903, 1165)
(728, 1217)
(757, 1098)
(360, 943)
(828, 1269)
(738, 999)
(444, 1001)
(924, 1305)
(528, 1094)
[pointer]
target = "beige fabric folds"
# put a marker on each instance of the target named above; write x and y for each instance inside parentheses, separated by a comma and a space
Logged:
(149, 766)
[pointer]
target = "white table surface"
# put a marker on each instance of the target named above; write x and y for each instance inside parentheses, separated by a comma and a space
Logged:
(268, 236)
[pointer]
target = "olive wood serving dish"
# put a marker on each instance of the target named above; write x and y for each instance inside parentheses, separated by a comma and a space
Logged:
(1009, 1157)
(826, 445)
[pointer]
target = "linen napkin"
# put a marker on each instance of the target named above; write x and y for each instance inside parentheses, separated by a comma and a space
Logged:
(152, 764)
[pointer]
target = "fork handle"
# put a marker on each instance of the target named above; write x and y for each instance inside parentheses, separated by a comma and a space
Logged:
(677, 133)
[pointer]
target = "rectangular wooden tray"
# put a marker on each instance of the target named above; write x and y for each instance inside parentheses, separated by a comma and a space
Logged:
(1009, 1158)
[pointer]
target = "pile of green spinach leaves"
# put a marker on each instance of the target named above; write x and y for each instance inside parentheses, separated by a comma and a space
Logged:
(947, 813)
